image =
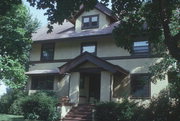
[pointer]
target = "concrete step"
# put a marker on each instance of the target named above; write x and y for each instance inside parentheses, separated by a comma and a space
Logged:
(80, 113)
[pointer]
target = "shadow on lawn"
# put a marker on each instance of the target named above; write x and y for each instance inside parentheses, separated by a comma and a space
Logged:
(18, 119)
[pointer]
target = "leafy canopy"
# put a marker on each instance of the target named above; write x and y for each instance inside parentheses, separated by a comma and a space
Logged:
(16, 27)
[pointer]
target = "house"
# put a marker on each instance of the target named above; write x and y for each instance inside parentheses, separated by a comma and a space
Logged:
(80, 59)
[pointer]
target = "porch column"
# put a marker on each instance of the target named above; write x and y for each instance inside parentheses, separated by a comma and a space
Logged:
(105, 86)
(74, 87)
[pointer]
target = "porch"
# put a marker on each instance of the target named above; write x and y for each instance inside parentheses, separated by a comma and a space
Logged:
(91, 79)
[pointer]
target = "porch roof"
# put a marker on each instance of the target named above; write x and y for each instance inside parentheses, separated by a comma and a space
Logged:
(88, 57)
(40, 72)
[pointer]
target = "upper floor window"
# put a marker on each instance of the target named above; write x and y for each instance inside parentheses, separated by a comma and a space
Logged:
(89, 22)
(88, 47)
(140, 86)
(47, 52)
(42, 83)
(140, 48)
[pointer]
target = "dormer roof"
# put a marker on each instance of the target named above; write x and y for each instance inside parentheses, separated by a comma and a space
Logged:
(102, 8)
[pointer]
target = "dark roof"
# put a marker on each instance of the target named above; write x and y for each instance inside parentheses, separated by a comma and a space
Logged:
(87, 57)
(99, 7)
(67, 30)
(105, 10)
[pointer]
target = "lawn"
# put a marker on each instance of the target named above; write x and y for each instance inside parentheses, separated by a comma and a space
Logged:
(4, 117)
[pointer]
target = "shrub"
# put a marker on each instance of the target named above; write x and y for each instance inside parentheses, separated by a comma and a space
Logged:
(16, 107)
(10, 101)
(40, 106)
(162, 108)
(111, 111)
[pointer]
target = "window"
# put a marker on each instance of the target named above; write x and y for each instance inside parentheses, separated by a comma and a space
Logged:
(89, 22)
(140, 86)
(140, 48)
(88, 47)
(42, 83)
(47, 52)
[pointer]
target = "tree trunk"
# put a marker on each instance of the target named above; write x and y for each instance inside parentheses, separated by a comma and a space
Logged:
(170, 41)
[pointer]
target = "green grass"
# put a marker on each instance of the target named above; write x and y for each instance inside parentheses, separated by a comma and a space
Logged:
(4, 117)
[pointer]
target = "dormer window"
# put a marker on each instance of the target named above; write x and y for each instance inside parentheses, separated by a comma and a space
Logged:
(90, 22)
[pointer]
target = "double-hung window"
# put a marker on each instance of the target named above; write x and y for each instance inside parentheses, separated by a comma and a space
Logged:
(47, 52)
(89, 22)
(42, 82)
(140, 86)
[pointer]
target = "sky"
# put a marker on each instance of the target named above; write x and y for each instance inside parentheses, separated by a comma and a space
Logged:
(36, 13)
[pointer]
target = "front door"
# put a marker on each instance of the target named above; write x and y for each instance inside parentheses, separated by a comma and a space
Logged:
(89, 87)
(94, 88)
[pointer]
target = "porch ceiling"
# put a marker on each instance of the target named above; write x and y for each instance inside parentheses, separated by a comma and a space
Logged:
(87, 57)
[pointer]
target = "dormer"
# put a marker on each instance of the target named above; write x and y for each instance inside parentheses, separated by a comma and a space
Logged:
(97, 18)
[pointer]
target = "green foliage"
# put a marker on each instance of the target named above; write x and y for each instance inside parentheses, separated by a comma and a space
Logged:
(16, 27)
(40, 106)
(160, 69)
(11, 101)
(16, 107)
(12, 72)
(157, 21)
(111, 111)
(174, 81)
(161, 108)
(6, 5)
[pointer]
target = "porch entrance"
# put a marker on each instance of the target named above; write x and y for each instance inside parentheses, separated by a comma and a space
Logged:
(89, 88)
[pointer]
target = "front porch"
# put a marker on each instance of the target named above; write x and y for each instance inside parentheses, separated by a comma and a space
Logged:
(91, 79)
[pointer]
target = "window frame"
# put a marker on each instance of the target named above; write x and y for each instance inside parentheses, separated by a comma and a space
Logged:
(89, 44)
(42, 48)
(132, 76)
(90, 22)
(41, 78)
(141, 53)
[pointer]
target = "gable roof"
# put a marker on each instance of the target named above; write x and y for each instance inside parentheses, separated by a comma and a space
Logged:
(67, 31)
(102, 8)
(84, 57)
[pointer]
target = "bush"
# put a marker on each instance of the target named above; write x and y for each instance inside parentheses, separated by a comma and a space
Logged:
(40, 106)
(162, 108)
(16, 107)
(11, 100)
(111, 111)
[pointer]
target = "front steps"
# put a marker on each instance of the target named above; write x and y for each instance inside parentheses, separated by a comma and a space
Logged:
(80, 113)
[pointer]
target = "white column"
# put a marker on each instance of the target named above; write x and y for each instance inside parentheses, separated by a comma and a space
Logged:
(74, 87)
(105, 86)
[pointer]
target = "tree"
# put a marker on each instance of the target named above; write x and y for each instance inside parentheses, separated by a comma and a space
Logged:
(16, 27)
(162, 18)
(6, 5)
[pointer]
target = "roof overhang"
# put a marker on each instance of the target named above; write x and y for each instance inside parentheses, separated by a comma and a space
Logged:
(102, 8)
(43, 72)
(87, 57)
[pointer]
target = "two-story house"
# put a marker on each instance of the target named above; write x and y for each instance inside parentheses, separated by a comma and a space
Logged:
(80, 59)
